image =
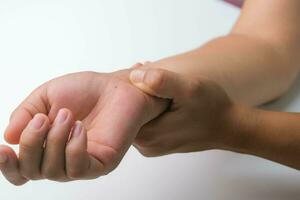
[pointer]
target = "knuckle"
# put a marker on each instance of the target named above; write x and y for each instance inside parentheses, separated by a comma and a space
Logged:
(25, 146)
(144, 142)
(73, 151)
(151, 148)
(17, 182)
(29, 144)
(155, 79)
(32, 139)
(55, 140)
(112, 165)
(196, 86)
(75, 173)
(31, 175)
(148, 153)
(52, 174)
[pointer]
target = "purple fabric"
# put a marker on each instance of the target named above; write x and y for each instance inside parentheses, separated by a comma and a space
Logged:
(238, 3)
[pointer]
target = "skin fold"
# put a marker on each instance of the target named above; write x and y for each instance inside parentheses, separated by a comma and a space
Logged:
(199, 100)
(203, 117)
(110, 110)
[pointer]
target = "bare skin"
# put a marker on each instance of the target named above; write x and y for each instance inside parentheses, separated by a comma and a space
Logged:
(110, 109)
(255, 63)
(202, 116)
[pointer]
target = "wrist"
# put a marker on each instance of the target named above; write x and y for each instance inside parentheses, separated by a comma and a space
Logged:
(153, 106)
(238, 132)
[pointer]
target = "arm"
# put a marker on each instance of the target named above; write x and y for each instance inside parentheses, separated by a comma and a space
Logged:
(203, 117)
(271, 135)
(257, 61)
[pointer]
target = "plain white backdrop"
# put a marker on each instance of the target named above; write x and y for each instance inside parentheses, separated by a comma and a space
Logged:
(42, 39)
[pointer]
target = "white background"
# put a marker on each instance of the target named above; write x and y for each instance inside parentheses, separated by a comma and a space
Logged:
(41, 39)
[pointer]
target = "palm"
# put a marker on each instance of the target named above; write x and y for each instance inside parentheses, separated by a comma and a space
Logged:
(112, 110)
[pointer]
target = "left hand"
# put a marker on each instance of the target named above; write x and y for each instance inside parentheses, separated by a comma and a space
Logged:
(111, 111)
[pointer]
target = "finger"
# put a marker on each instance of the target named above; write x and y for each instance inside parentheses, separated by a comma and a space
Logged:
(152, 131)
(158, 82)
(109, 139)
(79, 164)
(9, 166)
(137, 65)
(33, 104)
(147, 63)
(53, 166)
(151, 142)
(31, 146)
(115, 127)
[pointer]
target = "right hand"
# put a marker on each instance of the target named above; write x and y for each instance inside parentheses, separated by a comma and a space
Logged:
(199, 117)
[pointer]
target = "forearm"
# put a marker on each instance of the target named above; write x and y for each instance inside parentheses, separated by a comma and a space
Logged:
(271, 135)
(250, 70)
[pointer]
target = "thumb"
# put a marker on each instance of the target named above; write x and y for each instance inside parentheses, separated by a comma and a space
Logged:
(158, 82)
(33, 104)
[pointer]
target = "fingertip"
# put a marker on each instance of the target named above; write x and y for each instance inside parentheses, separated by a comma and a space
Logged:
(78, 136)
(66, 110)
(141, 64)
(3, 158)
(6, 149)
(6, 154)
(61, 116)
(39, 121)
(137, 75)
(137, 65)
(44, 116)
(9, 166)
(70, 114)
(11, 138)
(13, 132)
(78, 129)
(17, 124)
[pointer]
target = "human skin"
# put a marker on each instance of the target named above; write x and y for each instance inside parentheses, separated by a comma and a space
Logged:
(203, 117)
(111, 111)
(255, 63)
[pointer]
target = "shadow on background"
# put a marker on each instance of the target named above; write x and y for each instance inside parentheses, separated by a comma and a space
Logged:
(264, 188)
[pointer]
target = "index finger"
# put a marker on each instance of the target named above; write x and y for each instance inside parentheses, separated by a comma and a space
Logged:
(35, 103)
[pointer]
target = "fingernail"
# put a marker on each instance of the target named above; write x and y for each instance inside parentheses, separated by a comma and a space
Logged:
(3, 157)
(37, 122)
(77, 129)
(61, 116)
(137, 75)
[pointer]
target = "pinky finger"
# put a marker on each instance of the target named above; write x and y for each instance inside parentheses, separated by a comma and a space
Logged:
(79, 164)
(10, 167)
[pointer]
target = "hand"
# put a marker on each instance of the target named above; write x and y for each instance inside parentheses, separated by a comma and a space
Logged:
(111, 110)
(198, 117)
